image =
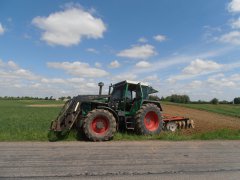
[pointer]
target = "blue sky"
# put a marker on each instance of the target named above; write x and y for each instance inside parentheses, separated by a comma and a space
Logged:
(64, 48)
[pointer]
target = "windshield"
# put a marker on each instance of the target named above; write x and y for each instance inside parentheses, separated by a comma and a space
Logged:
(117, 93)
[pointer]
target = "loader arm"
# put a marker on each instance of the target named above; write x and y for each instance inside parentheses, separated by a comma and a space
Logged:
(67, 117)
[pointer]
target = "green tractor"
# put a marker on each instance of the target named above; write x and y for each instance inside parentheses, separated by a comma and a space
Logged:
(98, 117)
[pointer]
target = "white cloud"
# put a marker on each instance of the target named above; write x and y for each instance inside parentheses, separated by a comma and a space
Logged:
(152, 78)
(2, 30)
(17, 81)
(143, 64)
(231, 37)
(12, 65)
(236, 23)
(92, 50)
(138, 52)
(142, 40)
(76, 80)
(221, 82)
(98, 65)
(11, 70)
(234, 6)
(125, 76)
(78, 68)
(1, 63)
(160, 38)
(68, 27)
(195, 84)
(53, 80)
(196, 68)
(235, 77)
(200, 66)
(114, 64)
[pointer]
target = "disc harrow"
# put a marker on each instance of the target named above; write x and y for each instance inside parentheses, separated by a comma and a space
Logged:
(172, 123)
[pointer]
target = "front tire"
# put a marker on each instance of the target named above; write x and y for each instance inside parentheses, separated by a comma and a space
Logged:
(148, 120)
(99, 125)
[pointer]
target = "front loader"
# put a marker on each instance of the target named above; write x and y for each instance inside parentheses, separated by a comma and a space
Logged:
(127, 106)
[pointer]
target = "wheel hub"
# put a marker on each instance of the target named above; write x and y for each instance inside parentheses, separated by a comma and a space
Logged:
(100, 125)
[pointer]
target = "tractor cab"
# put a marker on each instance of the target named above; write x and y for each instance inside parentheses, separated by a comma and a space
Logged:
(130, 95)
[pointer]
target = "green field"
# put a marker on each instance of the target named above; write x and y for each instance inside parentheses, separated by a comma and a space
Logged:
(19, 122)
(225, 109)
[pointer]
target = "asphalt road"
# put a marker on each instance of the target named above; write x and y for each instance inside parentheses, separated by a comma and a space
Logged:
(120, 160)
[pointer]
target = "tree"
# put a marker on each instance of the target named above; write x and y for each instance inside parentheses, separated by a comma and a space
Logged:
(236, 100)
(178, 98)
(214, 101)
(224, 102)
(154, 98)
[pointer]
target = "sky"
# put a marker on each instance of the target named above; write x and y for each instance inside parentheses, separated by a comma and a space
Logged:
(60, 48)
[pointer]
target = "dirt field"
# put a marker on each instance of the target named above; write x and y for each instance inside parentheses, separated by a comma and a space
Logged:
(204, 121)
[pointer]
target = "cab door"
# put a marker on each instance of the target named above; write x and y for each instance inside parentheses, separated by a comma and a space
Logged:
(137, 101)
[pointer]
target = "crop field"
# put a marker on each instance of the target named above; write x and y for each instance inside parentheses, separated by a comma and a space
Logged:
(23, 120)
(29, 120)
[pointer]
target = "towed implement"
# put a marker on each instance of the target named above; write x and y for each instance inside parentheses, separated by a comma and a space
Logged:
(127, 106)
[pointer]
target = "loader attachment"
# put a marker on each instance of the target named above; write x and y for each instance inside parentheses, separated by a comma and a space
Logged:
(61, 126)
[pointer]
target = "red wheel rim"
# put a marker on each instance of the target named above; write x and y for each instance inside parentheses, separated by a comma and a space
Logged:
(151, 121)
(100, 125)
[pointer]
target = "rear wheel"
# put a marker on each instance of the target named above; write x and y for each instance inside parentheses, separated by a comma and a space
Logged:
(99, 125)
(148, 120)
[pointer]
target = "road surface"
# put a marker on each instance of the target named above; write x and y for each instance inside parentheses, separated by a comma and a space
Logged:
(120, 160)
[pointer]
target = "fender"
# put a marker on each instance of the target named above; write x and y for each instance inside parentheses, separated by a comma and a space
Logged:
(111, 110)
(153, 102)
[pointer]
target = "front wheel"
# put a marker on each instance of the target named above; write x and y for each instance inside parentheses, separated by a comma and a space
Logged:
(99, 125)
(148, 120)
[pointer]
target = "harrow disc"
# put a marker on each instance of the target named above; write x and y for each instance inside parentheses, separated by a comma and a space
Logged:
(179, 125)
(183, 124)
(171, 126)
(191, 124)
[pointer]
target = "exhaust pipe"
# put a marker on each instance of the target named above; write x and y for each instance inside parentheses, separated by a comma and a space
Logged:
(101, 84)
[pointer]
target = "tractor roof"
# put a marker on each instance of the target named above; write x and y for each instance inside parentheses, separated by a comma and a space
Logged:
(130, 82)
(150, 91)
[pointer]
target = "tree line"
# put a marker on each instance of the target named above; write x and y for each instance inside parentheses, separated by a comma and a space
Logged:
(185, 99)
(173, 98)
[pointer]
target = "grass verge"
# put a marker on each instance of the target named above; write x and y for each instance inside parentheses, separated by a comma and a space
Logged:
(224, 134)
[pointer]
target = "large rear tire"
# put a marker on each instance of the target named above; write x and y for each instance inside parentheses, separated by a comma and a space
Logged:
(148, 120)
(99, 125)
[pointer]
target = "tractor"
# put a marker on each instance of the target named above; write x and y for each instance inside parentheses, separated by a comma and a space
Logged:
(127, 106)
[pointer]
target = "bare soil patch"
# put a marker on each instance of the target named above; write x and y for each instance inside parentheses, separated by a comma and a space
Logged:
(204, 121)
(45, 105)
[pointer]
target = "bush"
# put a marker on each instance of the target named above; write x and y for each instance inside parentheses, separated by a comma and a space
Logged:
(214, 101)
(178, 98)
(154, 98)
(236, 100)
